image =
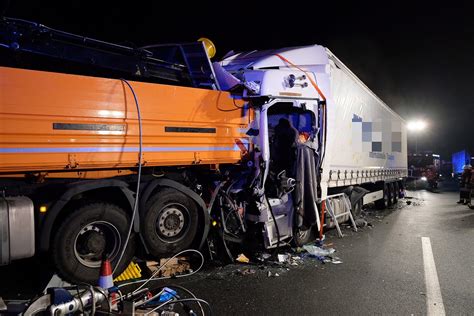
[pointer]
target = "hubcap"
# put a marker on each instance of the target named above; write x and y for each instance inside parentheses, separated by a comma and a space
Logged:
(95, 240)
(171, 221)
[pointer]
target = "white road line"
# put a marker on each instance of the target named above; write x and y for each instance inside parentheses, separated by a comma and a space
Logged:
(434, 301)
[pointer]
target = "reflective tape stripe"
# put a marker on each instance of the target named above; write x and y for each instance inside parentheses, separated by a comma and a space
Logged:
(36, 150)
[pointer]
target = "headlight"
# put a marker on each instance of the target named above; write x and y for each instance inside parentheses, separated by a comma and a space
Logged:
(423, 179)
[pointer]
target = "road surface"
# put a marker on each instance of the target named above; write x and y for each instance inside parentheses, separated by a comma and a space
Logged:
(384, 271)
(419, 259)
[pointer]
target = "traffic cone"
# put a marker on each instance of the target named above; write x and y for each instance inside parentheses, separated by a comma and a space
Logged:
(105, 279)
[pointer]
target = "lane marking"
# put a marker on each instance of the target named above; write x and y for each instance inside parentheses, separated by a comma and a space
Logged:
(434, 300)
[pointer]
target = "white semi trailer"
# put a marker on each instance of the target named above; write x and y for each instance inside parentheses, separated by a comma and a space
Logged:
(367, 140)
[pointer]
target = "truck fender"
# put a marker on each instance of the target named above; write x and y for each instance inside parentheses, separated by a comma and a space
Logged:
(74, 189)
(183, 189)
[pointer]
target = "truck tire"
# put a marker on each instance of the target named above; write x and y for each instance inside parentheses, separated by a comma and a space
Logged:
(86, 235)
(396, 192)
(170, 223)
(387, 199)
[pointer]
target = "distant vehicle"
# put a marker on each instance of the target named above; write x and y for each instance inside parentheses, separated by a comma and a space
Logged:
(460, 159)
(424, 167)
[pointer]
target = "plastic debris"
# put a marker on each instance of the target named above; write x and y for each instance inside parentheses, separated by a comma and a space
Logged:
(167, 295)
(266, 255)
(299, 250)
(283, 257)
(242, 258)
(317, 251)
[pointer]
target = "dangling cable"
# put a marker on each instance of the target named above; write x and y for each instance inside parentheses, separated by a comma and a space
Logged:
(135, 206)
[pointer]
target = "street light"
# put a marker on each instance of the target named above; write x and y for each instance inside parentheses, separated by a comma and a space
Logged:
(416, 127)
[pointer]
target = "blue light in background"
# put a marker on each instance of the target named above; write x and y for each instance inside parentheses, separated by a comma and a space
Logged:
(460, 159)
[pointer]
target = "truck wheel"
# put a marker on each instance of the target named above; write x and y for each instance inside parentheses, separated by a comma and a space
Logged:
(170, 222)
(386, 201)
(396, 192)
(85, 236)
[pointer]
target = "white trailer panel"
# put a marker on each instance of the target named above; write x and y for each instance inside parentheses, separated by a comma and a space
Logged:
(366, 140)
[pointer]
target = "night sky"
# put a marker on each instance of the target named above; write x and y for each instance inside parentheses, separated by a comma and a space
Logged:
(417, 56)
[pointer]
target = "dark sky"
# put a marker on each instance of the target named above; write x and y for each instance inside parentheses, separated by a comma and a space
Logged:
(417, 56)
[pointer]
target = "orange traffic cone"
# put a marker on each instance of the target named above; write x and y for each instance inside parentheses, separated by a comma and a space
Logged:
(105, 279)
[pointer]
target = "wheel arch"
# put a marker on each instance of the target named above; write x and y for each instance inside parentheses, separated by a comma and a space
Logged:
(74, 189)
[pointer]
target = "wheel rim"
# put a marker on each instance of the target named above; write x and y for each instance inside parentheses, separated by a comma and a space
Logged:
(172, 222)
(94, 240)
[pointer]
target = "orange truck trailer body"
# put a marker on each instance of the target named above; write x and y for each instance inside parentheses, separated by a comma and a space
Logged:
(54, 122)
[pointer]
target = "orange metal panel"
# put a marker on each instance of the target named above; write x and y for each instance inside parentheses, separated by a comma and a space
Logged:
(32, 101)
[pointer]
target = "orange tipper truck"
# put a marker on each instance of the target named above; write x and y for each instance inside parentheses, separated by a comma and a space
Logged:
(119, 151)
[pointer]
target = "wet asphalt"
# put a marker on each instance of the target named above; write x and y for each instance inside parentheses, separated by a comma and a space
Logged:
(381, 272)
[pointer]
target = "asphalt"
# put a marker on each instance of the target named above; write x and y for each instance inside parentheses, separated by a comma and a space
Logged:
(382, 270)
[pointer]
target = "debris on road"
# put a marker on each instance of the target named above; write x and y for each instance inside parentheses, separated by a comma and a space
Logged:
(283, 257)
(246, 271)
(274, 275)
(174, 266)
(360, 222)
(242, 258)
(317, 251)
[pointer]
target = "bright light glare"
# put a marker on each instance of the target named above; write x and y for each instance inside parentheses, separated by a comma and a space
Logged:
(423, 179)
(416, 125)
